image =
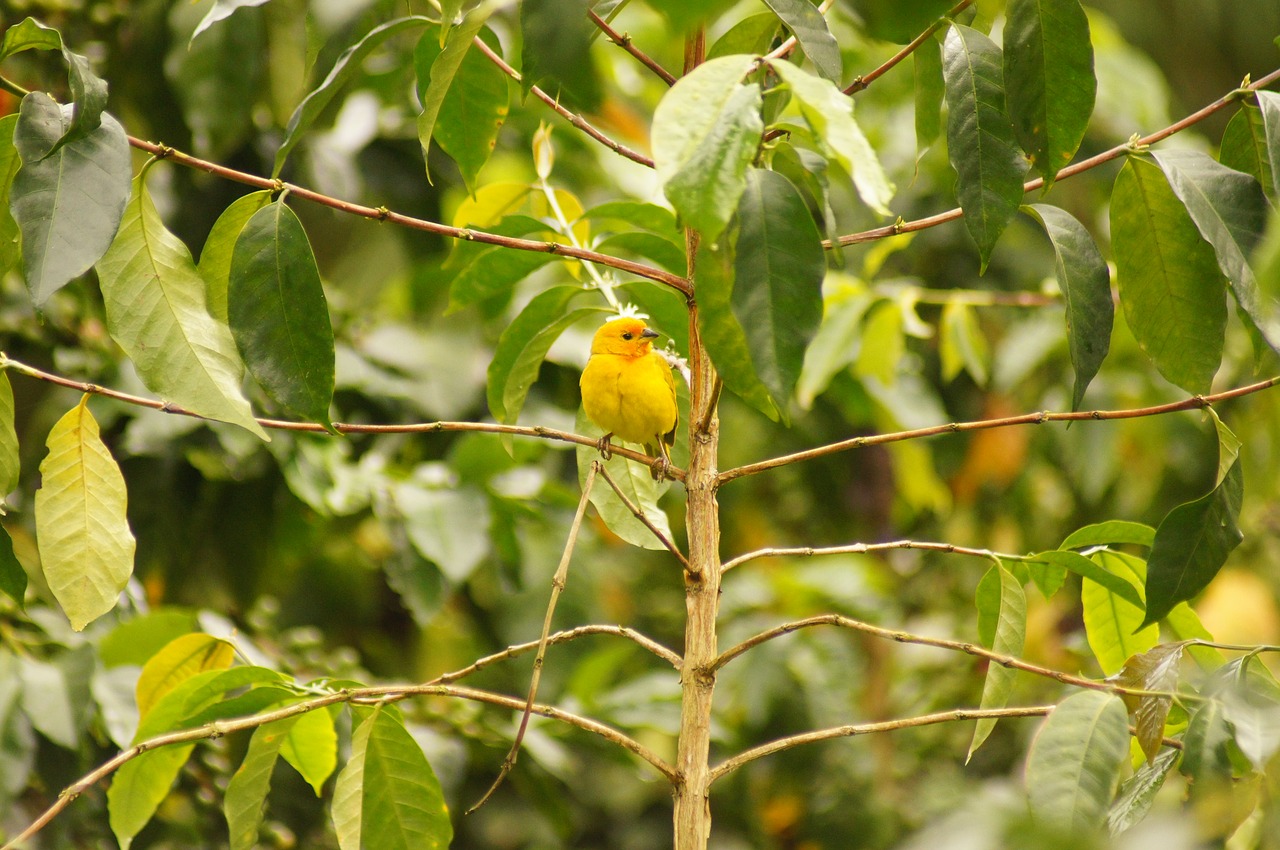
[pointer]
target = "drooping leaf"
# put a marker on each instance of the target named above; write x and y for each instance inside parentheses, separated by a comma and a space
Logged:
(705, 133)
(387, 795)
(778, 271)
(1192, 543)
(278, 313)
(68, 203)
(463, 94)
(1084, 567)
(220, 11)
(810, 29)
(1002, 626)
(246, 794)
(1171, 288)
(1138, 792)
(1074, 763)
(632, 479)
(980, 141)
(1269, 103)
(1048, 74)
(1244, 145)
(10, 466)
(348, 65)
(1086, 285)
(893, 20)
(219, 245)
(184, 657)
(1230, 211)
(86, 548)
(311, 747)
(1111, 531)
(1153, 670)
(1112, 622)
(929, 91)
(156, 311)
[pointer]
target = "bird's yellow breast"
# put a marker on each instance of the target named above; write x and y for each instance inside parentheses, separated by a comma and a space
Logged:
(632, 397)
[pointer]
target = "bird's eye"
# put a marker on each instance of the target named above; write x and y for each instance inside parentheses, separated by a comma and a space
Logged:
(626, 335)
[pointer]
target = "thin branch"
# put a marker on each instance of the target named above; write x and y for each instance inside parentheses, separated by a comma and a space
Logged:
(648, 523)
(1198, 402)
(732, 764)
(572, 117)
(867, 79)
(863, 548)
(623, 40)
(341, 427)
(558, 582)
(220, 728)
(1069, 171)
(647, 643)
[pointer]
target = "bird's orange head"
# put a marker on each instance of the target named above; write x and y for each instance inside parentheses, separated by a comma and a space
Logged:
(627, 336)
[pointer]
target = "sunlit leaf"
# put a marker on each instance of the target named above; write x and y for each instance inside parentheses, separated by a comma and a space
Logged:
(1074, 763)
(1002, 626)
(961, 345)
(311, 747)
(835, 345)
(810, 29)
(181, 659)
(1111, 621)
(1082, 566)
(634, 480)
(86, 548)
(752, 35)
(10, 162)
(136, 640)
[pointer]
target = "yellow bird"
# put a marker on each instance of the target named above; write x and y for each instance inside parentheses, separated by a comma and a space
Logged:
(627, 389)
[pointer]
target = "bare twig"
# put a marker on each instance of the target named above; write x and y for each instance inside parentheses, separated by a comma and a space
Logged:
(1193, 403)
(867, 79)
(562, 637)
(557, 585)
(1069, 171)
(732, 764)
(648, 523)
(341, 427)
(863, 548)
(623, 40)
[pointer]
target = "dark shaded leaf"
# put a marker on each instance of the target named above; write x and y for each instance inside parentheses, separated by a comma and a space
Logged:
(13, 578)
(752, 35)
(929, 91)
(246, 796)
(219, 247)
(1244, 145)
(810, 29)
(555, 45)
(1204, 744)
(894, 20)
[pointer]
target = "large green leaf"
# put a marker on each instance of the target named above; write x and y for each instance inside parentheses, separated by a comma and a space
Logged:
(67, 203)
(1171, 288)
(86, 548)
(810, 28)
(156, 311)
(555, 45)
(1048, 75)
(705, 133)
(348, 65)
(219, 246)
(778, 272)
(1074, 763)
(1269, 103)
(894, 20)
(829, 112)
(1086, 285)
(1111, 621)
(185, 656)
(634, 480)
(989, 167)
(10, 466)
(1002, 626)
(1192, 543)
(278, 313)
(1230, 211)
(1244, 145)
(88, 91)
(311, 747)
(387, 795)
(463, 94)
(246, 793)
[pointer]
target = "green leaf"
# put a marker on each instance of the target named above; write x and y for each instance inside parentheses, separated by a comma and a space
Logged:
(220, 11)
(88, 91)
(883, 343)
(135, 641)
(705, 133)
(215, 258)
(1048, 74)
(980, 142)
(56, 696)
(311, 747)
(929, 89)
(636, 214)
(13, 578)
(778, 272)
(1112, 622)
(829, 112)
(29, 34)
(724, 337)
(1269, 103)
(1252, 707)
(1086, 285)
(555, 45)
(1192, 543)
(86, 548)
(1153, 670)
(752, 35)
(1230, 211)
(387, 795)
(894, 20)
(1074, 763)
(1204, 745)
(1111, 531)
(835, 345)
(810, 29)
(246, 793)
(1002, 626)
(961, 346)
(448, 526)
(1170, 286)
(278, 313)
(524, 345)
(632, 479)
(10, 162)
(348, 65)
(648, 245)
(1244, 145)
(10, 465)
(1138, 792)
(156, 311)
(490, 270)
(183, 657)
(1082, 566)
(67, 203)
(1184, 624)
(463, 94)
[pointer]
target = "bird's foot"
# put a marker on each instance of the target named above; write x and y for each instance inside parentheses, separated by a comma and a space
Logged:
(658, 469)
(603, 445)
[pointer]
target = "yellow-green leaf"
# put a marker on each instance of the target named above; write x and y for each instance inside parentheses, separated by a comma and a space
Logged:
(182, 658)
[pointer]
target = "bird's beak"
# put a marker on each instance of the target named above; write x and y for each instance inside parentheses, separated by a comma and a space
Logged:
(649, 333)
